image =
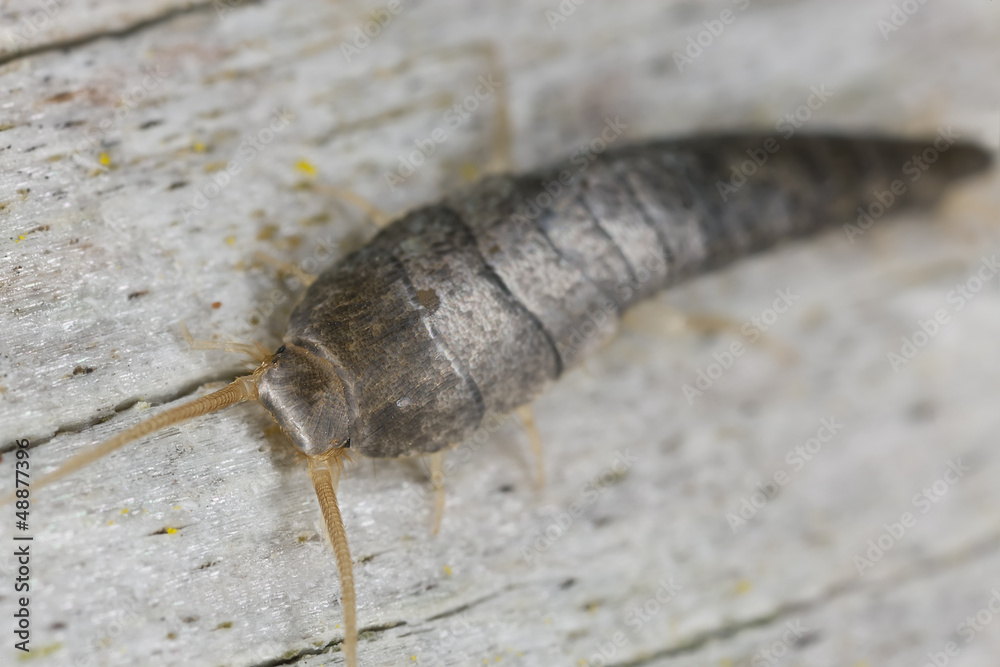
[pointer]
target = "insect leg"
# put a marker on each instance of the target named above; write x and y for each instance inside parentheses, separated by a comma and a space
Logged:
(256, 351)
(500, 141)
(375, 215)
(659, 319)
(303, 277)
(527, 416)
(501, 160)
(437, 479)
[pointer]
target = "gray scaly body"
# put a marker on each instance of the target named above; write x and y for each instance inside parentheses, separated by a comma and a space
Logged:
(473, 305)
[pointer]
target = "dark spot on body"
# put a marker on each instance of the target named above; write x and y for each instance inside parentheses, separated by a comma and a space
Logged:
(506, 488)
(428, 298)
(189, 619)
(58, 625)
(224, 626)
(208, 564)
(136, 295)
(216, 305)
(81, 370)
(150, 123)
(567, 583)
(177, 184)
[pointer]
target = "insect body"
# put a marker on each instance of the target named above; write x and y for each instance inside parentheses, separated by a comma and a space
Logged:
(473, 305)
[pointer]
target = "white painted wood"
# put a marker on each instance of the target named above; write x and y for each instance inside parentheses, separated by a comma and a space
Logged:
(246, 578)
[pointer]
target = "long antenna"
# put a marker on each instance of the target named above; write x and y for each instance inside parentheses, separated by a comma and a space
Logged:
(241, 389)
(324, 480)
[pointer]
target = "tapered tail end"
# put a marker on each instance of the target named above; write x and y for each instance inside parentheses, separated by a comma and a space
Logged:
(969, 159)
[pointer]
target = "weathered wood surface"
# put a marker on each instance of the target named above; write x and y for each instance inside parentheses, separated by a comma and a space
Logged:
(106, 251)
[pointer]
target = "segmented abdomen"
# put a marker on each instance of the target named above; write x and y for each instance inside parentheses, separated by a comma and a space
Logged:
(473, 305)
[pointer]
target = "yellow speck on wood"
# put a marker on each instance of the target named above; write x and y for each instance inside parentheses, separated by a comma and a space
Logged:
(20, 237)
(177, 507)
(725, 662)
(469, 172)
(104, 159)
(267, 232)
(447, 571)
(111, 522)
(306, 167)
(198, 147)
(214, 166)
(743, 587)
(41, 651)
(171, 531)
(231, 240)
(125, 511)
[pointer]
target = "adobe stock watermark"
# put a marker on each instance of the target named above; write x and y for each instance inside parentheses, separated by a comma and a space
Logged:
(581, 157)
(248, 149)
(223, 7)
(914, 169)
(363, 35)
(778, 649)
(968, 630)
(565, 9)
(703, 39)
(32, 23)
(93, 139)
(590, 492)
(453, 119)
(787, 126)
(752, 330)
(635, 619)
(797, 457)
(928, 329)
(898, 17)
(924, 502)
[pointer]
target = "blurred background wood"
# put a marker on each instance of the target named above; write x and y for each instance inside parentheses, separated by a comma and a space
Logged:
(122, 217)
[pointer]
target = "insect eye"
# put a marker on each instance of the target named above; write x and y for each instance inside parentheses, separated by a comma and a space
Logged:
(280, 350)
